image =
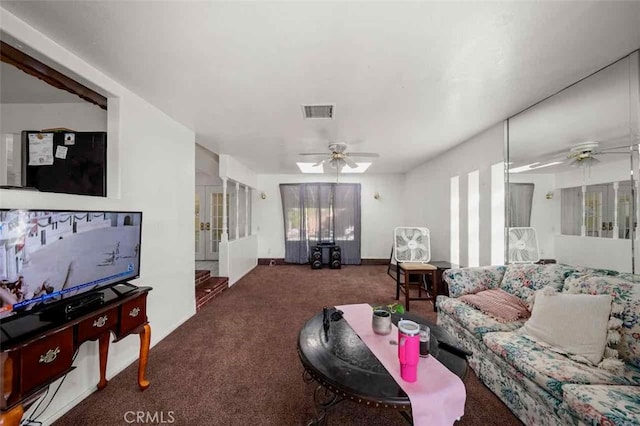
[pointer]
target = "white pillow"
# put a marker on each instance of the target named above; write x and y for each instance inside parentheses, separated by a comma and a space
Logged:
(576, 324)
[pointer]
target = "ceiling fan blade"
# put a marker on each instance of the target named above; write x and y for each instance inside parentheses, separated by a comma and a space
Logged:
(349, 162)
(364, 154)
(313, 153)
(319, 163)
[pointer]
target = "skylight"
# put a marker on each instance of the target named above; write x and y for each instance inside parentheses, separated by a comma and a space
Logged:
(360, 169)
(533, 166)
(309, 168)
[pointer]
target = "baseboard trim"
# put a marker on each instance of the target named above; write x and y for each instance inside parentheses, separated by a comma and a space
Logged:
(280, 261)
(375, 261)
(241, 276)
(267, 261)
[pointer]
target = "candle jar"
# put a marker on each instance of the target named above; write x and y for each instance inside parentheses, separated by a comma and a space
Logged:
(381, 322)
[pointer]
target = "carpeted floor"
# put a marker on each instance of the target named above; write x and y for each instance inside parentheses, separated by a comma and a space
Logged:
(235, 361)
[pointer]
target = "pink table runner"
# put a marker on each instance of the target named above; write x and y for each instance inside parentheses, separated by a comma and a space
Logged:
(437, 397)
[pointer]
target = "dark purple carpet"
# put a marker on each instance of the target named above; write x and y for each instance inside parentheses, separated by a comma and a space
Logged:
(235, 362)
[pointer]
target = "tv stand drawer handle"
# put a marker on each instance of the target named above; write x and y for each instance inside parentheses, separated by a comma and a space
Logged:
(100, 322)
(134, 312)
(50, 356)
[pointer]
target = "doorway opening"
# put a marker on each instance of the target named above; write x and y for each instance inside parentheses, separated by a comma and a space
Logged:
(208, 227)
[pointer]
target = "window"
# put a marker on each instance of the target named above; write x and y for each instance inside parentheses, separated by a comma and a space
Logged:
(497, 213)
(242, 212)
(233, 210)
(473, 217)
(317, 213)
(454, 212)
(606, 209)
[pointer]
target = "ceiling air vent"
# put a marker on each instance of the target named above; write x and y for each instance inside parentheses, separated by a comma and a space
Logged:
(317, 111)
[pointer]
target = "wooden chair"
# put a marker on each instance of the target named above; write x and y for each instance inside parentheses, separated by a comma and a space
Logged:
(403, 272)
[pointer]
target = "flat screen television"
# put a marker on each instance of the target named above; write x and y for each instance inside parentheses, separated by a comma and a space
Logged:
(47, 256)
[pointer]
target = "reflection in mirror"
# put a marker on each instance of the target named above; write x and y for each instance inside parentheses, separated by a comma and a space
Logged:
(570, 170)
(607, 210)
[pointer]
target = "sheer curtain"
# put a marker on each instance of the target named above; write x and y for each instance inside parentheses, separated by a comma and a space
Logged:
(346, 208)
(295, 238)
(321, 212)
(571, 211)
(520, 201)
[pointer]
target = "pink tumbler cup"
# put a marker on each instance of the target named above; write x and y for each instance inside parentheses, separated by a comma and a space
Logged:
(408, 349)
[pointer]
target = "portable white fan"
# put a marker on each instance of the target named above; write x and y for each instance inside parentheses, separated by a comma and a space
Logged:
(523, 245)
(411, 244)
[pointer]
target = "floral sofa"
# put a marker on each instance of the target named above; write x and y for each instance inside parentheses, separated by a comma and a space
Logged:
(540, 386)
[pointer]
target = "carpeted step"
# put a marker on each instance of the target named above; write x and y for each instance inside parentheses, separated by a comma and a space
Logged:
(202, 277)
(210, 289)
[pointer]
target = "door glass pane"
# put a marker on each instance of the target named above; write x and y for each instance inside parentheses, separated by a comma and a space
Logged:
(213, 214)
(197, 221)
(250, 213)
(233, 208)
(624, 210)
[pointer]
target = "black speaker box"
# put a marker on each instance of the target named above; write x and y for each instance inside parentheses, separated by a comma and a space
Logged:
(335, 258)
(316, 258)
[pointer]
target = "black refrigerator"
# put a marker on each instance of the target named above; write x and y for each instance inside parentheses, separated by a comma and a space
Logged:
(65, 161)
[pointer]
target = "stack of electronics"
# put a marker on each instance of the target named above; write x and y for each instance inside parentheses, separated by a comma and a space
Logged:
(335, 256)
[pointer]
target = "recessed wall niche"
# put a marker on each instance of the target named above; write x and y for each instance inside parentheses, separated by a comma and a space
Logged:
(33, 97)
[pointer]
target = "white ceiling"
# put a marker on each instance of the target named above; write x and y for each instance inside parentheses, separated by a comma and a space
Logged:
(409, 80)
(18, 87)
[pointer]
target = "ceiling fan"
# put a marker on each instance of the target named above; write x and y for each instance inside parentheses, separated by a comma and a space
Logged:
(585, 153)
(338, 157)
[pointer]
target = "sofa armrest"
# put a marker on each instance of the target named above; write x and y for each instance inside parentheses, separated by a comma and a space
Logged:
(463, 281)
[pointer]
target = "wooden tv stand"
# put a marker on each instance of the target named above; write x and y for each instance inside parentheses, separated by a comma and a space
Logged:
(36, 350)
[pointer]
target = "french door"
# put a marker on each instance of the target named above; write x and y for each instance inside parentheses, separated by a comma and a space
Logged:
(208, 221)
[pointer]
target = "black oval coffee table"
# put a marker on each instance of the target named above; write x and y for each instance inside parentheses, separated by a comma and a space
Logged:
(345, 368)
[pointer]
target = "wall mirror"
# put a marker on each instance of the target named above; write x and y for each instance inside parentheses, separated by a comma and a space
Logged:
(572, 159)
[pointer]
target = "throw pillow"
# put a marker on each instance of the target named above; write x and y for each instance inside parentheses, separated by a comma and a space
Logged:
(472, 280)
(523, 280)
(499, 304)
(626, 302)
(575, 324)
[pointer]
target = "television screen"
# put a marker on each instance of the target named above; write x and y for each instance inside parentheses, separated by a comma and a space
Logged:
(46, 256)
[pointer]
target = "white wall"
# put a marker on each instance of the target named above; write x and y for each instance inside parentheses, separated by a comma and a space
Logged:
(232, 169)
(81, 117)
(207, 167)
(240, 256)
(379, 217)
(594, 252)
(156, 171)
(545, 213)
(425, 199)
